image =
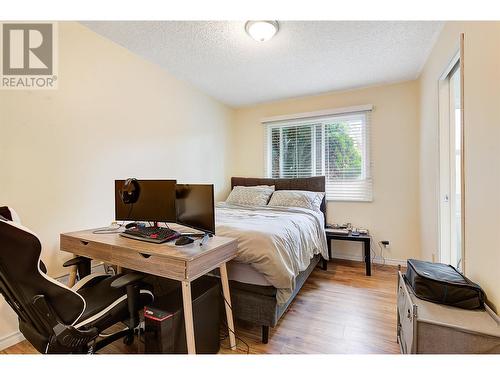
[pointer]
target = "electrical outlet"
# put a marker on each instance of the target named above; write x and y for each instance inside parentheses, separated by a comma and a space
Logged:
(385, 243)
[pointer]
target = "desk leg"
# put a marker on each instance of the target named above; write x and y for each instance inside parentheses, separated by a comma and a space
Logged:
(227, 304)
(368, 262)
(72, 277)
(329, 243)
(188, 316)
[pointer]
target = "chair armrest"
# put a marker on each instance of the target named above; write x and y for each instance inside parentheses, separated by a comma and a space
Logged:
(131, 282)
(127, 279)
(75, 261)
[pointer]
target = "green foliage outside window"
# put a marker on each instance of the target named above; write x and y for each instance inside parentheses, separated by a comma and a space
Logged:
(343, 157)
(342, 154)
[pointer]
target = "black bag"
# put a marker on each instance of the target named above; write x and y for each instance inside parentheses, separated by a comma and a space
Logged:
(442, 283)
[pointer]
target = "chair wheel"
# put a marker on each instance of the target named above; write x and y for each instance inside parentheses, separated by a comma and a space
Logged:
(128, 340)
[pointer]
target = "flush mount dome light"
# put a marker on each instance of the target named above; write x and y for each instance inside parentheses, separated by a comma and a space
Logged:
(261, 31)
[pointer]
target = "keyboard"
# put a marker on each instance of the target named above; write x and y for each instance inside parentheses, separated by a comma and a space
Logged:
(151, 234)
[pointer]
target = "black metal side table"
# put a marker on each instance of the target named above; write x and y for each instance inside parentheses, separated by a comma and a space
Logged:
(365, 238)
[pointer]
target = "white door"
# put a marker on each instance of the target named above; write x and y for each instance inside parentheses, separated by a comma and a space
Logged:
(450, 166)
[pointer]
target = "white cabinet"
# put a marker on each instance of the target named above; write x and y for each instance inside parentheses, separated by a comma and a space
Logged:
(426, 327)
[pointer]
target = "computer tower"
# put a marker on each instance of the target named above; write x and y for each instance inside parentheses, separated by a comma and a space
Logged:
(164, 321)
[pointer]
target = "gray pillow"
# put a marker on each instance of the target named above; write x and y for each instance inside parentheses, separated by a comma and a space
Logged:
(250, 195)
(297, 198)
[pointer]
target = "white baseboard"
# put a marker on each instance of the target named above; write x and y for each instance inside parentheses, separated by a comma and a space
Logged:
(359, 258)
(11, 339)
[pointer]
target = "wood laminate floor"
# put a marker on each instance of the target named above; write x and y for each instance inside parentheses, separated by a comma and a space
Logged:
(337, 311)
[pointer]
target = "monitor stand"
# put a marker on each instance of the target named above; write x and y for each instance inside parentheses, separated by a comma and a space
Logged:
(205, 238)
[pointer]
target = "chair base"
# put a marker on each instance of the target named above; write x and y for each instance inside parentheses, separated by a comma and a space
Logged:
(113, 337)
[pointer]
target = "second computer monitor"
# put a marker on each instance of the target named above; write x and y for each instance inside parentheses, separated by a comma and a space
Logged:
(195, 206)
(156, 202)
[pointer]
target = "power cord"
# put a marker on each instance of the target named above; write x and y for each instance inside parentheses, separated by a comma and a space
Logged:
(381, 252)
(109, 229)
(374, 253)
(229, 329)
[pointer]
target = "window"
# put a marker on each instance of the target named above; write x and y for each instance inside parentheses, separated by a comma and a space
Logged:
(335, 146)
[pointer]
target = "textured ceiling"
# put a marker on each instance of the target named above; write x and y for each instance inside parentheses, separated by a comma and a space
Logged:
(304, 58)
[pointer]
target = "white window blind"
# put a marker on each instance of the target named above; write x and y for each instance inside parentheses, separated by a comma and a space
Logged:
(335, 146)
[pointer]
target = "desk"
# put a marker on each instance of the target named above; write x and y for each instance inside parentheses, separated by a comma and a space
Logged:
(184, 264)
(365, 238)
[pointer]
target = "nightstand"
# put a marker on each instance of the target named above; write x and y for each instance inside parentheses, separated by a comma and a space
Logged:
(365, 238)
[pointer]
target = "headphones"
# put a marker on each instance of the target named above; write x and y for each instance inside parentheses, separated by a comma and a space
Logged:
(130, 191)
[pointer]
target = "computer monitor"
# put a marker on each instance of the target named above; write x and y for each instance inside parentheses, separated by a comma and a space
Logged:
(195, 206)
(156, 202)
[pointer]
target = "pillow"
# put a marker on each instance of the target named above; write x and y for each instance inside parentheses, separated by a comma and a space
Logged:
(250, 195)
(297, 198)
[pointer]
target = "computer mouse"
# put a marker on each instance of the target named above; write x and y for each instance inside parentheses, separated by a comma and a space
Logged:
(183, 241)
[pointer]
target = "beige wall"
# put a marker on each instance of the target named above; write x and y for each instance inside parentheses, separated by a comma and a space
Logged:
(9, 333)
(482, 155)
(393, 214)
(114, 115)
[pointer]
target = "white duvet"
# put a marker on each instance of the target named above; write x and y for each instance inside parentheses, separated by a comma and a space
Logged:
(278, 242)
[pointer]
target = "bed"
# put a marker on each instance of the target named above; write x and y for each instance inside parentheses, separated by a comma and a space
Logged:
(265, 278)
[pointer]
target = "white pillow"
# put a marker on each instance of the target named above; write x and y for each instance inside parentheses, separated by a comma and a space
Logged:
(297, 198)
(250, 195)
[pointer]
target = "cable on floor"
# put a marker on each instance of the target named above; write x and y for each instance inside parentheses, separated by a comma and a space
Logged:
(229, 329)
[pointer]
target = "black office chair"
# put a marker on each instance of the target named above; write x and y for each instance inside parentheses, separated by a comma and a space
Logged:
(82, 264)
(54, 318)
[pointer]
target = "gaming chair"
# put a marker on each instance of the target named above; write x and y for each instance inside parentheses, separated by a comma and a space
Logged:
(55, 318)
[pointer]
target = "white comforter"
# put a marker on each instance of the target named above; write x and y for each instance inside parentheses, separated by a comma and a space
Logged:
(278, 242)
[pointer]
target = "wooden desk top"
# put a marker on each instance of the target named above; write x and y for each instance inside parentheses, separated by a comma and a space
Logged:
(167, 260)
(167, 249)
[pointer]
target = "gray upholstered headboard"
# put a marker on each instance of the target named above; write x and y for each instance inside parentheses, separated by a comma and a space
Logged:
(305, 183)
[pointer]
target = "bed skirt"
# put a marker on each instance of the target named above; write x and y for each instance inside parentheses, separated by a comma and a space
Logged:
(257, 304)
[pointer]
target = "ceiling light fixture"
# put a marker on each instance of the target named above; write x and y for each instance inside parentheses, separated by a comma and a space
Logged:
(261, 31)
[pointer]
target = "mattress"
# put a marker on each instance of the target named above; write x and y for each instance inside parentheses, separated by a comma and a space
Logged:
(245, 273)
